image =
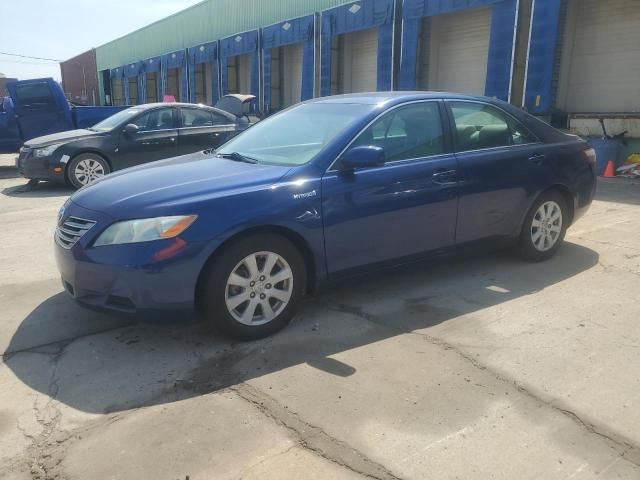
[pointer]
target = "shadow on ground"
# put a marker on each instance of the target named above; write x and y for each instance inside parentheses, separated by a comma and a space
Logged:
(39, 190)
(146, 364)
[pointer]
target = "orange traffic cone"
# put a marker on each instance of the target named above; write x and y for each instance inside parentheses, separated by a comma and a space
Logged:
(610, 171)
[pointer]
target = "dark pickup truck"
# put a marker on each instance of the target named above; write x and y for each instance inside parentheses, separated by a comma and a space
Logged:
(38, 107)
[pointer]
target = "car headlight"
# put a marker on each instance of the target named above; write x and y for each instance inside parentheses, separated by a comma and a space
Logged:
(46, 151)
(144, 230)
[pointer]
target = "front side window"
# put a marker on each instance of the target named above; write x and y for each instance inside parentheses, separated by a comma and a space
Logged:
(410, 132)
(479, 126)
(161, 119)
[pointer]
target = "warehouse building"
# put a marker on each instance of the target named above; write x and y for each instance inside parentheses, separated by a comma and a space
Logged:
(80, 79)
(571, 61)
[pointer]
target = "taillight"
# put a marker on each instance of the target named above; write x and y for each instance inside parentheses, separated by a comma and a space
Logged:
(592, 157)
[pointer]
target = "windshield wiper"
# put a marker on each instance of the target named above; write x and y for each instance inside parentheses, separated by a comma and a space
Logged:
(238, 157)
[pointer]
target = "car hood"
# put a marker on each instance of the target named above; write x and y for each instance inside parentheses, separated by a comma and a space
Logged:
(60, 137)
(169, 186)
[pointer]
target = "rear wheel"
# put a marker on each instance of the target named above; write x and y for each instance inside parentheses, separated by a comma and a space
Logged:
(544, 228)
(253, 288)
(87, 168)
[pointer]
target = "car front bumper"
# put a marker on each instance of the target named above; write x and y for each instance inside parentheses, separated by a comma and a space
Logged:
(150, 280)
(39, 168)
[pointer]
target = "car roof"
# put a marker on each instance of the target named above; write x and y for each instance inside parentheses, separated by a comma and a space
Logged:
(375, 98)
(146, 106)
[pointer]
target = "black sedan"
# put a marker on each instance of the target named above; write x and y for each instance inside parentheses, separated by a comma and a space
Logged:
(131, 137)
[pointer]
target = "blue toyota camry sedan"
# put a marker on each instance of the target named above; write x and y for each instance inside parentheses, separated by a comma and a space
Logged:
(325, 189)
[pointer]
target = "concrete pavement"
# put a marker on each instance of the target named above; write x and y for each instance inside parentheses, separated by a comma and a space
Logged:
(479, 367)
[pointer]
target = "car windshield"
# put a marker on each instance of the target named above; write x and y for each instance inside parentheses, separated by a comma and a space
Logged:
(113, 121)
(296, 136)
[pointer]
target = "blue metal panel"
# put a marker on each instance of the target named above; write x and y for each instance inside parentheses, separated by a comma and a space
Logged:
(116, 73)
(151, 65)
(176, 60)
(298, 30)
(501, 50)
(545, 28)
(205, 53)
(501, 43)
(354, 17)
(241, 44)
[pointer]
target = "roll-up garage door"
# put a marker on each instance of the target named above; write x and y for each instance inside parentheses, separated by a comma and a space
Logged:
(239, 74)
(358, 61)
(458, 49)
(291, 74)
(600, 64)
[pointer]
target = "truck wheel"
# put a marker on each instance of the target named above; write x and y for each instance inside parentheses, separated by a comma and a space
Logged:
(86, 168)
(252, 289)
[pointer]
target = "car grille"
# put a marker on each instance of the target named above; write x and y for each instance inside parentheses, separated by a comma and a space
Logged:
(72, 230)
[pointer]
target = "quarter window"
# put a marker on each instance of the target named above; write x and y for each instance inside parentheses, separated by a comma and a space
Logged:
(480, 126)
(161, 119)
(410, 132)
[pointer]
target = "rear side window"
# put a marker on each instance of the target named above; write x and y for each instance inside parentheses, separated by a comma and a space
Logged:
(410, 132)
(161, 119)
(193, 117)
(479, 126)
(35, 95)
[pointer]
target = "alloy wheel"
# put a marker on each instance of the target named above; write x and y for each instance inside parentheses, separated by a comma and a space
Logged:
(88, 170)
(259, 288)
(546, 227)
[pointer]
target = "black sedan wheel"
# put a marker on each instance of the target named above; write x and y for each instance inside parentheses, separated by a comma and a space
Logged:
(253, 287)
(86, 168)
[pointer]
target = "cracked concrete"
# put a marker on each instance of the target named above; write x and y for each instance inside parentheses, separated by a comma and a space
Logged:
(480, 367)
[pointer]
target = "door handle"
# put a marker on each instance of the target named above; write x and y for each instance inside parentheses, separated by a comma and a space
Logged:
(445, 177)
(537, 158)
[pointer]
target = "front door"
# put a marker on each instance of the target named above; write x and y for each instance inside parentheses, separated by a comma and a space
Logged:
(156, 139)
(407, 206)
(501, 163)
(202, 129)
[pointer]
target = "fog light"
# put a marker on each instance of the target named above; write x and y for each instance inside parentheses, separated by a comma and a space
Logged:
(57, 169)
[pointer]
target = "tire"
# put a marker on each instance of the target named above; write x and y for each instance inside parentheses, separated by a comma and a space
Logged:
(92, 164)
(229, 289)
(543, 233)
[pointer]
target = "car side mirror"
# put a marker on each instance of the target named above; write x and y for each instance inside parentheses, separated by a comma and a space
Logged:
(362, 157)
(131, 129)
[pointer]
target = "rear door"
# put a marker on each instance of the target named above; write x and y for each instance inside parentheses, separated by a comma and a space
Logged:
(407, 206)
(202, 129)
(156, 139)
(501, 164)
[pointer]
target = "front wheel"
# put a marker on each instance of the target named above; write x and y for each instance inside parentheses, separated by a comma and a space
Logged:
(87, 168)
(544, 228)
(253, 287)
